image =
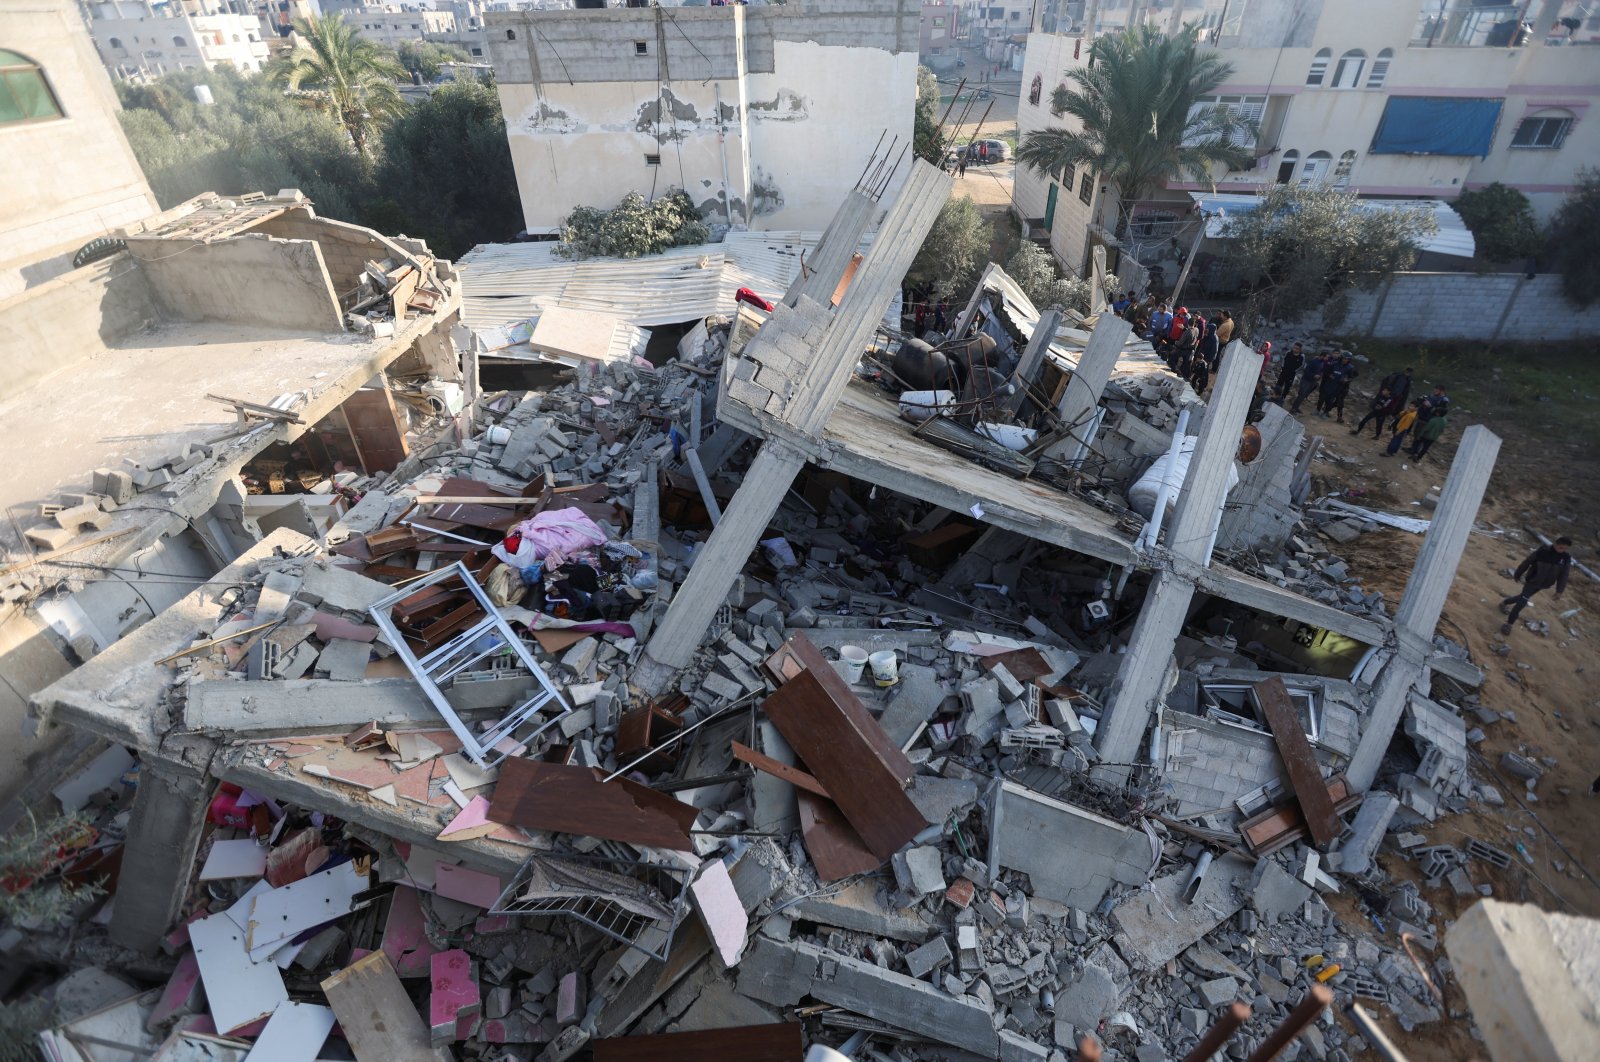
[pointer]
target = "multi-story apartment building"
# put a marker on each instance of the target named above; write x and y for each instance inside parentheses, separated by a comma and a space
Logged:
(391, 25)
(1420, 99)
(140, 38)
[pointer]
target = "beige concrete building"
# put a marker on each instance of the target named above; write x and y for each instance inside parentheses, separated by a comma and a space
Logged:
(146, 40)
(1408, 101)
(68, 173)
(764, 115)
(392, 25)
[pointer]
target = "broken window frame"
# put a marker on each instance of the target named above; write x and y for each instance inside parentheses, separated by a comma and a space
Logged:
(1309, 697)
(461, 652)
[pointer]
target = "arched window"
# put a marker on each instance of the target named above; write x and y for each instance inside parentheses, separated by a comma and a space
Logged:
(1319, 66)
(1341, 172)
(1315, 171)
(1351, 65)
(1380, 69)
(179, 42)
(116, 42)
(1286, 166)
(1036, 90)
(25, 96)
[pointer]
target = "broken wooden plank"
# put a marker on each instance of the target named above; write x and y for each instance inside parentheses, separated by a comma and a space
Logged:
(805, 656)
(1280, 826)
(842, 757)
(568, 799)
(377, 1017)
(238, 991)
(1304, 775)
(793, 775)
(746, 1043)
(836, 849)
(277, 916)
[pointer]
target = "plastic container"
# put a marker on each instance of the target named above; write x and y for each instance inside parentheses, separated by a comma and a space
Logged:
(1142, 495)
(855, 661)
(497, 436)
(921, 405)
(1011, 436)
(885, 668)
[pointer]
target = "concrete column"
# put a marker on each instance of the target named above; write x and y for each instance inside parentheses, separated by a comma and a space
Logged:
(826, 264)
(1207, 484)
(1142, 676)
(1044, 332)
(720, 560)
(169, 811)
(1424, 599)
(1094, 367)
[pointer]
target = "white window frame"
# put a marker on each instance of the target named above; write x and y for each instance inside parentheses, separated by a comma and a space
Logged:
(1380, 69)
(1314, 170)
(1319, 67)
(1351, 65)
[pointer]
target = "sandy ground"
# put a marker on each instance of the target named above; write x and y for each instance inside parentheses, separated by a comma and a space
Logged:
(1547, 683)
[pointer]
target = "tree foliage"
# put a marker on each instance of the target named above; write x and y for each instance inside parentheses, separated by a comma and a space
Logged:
(441, 170)
(635, 227)
(955, 245)
(1501, 220)
(1036, 273)
(427, 58)
(337, 70)
(30, 855)
(446, 172)
(926, 141)
(1307, 248)
(1133, 119)
(1571, 248)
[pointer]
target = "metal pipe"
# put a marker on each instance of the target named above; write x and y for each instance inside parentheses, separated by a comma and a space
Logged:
(1220, 1033)
(1374, 1033)
(1197, 877)
(1304, 1013)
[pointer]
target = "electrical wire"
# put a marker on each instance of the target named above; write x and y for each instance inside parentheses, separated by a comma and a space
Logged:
(553, 52)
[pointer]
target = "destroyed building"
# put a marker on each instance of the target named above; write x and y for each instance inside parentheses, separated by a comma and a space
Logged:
(742, 698)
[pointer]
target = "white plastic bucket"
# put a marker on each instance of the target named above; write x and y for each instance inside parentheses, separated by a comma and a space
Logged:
(855, 661)
(1011, 436)
(921, 405)
(885, 668)
(497, 436)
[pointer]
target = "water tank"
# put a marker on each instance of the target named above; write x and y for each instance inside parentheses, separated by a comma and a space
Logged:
(1142, 495)
(202, 95)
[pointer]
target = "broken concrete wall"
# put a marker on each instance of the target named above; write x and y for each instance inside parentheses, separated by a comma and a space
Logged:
(1260, 513)
(256, 280)
(73, 317)
(741, 142)
(346, 248)
(1070, 855)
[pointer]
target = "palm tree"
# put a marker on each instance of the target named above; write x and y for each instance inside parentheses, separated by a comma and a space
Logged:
(344, 73)
(1135, 107)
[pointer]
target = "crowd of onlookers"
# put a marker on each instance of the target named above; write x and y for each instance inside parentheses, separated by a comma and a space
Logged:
(1192, 344)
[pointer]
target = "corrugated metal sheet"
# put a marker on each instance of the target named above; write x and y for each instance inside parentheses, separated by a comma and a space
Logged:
(1453, 237)
(507, 282)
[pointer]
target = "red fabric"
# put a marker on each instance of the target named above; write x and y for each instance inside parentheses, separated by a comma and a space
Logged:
(746, 295)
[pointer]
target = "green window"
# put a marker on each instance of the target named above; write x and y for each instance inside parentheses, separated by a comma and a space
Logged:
(24, 94)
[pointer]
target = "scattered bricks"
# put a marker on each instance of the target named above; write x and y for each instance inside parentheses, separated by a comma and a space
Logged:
(1011, 689)
(1425, 937)
(1437, 860)
(1488, 853)
(1371, 822)
(1062, 717)
(720, 688)
(919, 871)
(932, 955)
(116, 485)
(1219, 992)
(1363, 987)
(570, 1001)
(1461, 883)
(1407, 902)
(1006, 979)
(48, 537)
(1520, 767)
(80, 517)
(960, 893)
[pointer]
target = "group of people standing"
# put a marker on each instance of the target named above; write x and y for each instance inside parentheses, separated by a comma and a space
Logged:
(1190, 343)
(1414, 423)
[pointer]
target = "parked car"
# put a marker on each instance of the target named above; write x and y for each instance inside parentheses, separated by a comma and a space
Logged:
(998, 151)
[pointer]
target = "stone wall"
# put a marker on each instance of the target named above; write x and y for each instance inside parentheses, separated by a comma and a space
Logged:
(346, 248)
(1490, 306)
(71, 318)
(251, 279)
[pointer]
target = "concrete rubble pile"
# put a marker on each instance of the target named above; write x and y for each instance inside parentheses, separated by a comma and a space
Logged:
(466, 812)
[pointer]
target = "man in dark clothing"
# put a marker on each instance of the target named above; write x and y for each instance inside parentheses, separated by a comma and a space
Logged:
(1434, 405)
(1347, 376)
(1207, 347)
(1333, 377)
(1545, 567)
(1310, 379)
(1379, 411)
(1286, 372)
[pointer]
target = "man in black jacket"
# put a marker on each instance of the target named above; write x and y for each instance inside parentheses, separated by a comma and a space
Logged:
(1291, 365)
(1545, 567)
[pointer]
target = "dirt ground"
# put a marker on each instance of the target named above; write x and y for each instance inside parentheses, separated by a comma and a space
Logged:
(1545, 685)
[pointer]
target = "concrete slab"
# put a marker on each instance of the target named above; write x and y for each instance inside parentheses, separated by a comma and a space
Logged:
(1070, 855)
(1155, 924)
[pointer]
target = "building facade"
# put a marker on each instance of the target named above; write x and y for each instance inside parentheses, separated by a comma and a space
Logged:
(765, 116)
(145, 39)
(940, 27)
(1417, 100)
(68, 173)
(392, 25)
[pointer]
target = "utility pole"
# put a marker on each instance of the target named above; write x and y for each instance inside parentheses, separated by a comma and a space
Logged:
(1194, 250)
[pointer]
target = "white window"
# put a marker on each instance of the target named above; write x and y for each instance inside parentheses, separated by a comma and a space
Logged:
(1348, 73)
(1245, 108)
(1233, 18)
(1316, 169)
(1542, 131)
(1319, 66)
(1380, 69)
(1341, 172)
